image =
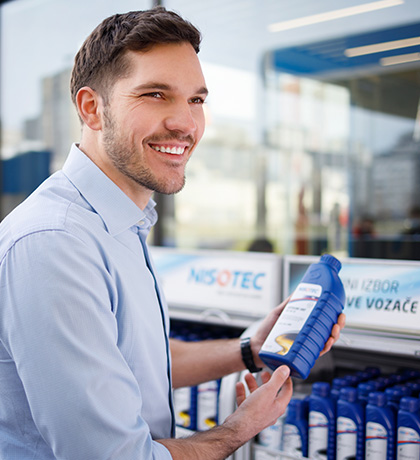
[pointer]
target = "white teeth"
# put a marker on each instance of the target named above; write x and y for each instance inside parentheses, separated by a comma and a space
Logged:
(173, 150)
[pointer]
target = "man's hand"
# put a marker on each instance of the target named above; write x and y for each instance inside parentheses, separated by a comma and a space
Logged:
(265, 403)
(335, 333)
(259, 337)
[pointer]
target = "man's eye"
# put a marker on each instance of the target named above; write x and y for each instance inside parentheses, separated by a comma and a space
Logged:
(155, 95)
(197, 100)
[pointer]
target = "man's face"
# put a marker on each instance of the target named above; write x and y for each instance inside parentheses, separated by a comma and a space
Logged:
(154, 119)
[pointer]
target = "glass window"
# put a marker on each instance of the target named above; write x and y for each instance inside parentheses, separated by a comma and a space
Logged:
(39, 39)
(307, 145)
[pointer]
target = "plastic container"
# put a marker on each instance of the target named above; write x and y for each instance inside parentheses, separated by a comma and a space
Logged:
(336, 385)
(350, 426)
(304, 327)
(271, 437)
(382, 383)
(408, 429)
(321, 423)
(295, 430)
(414, 387)
(393, 397)
(208, 405)
(185, 407)
(351, 380)
(363, 390)
(373, 371)
(380, 429)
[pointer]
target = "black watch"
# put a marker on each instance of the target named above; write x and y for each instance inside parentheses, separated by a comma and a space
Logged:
(247, 357)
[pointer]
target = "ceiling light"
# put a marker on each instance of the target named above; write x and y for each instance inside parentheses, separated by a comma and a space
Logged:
(380, 47)
(400, 59)
(331, 15)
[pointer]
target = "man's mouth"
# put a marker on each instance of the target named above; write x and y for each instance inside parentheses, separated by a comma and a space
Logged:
(168, 149)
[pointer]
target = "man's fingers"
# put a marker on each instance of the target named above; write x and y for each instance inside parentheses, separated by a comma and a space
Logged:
(251, 382)
(335, 333)
(341, 321)
(265, 376)
(240, 393)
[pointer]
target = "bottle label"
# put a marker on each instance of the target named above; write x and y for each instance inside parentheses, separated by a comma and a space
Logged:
(292, 441)
(376, 441)
(346, 438)
(408, 444)
(182, 406)
(271, 436)
(207, 401)
(292, 319)
(318, 435)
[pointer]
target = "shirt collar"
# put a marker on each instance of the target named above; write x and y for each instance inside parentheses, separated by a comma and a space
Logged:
(116, 209)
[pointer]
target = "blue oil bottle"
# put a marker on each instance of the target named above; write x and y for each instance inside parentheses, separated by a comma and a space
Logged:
(295, 430)
(303, 328)
(393, 397)
(380, 429)
(408, 429)
(321, 423)
(363, 391)
(350, 426)
(336, 385)
(414, 387)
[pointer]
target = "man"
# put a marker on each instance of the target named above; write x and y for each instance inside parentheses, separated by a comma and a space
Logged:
(85, 367)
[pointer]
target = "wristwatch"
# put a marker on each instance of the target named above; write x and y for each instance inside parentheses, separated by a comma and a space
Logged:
(247, 357)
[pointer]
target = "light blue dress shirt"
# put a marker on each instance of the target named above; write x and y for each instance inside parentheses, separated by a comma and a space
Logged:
(84, 361)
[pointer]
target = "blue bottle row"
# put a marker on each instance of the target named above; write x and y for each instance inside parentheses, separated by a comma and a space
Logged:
(197, 408)
(352, 419)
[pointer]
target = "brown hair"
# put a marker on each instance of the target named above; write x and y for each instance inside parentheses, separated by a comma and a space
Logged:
(101, 59)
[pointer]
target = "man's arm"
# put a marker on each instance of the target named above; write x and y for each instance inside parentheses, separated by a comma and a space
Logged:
(259, 410)
(57, 324)
(197, 362)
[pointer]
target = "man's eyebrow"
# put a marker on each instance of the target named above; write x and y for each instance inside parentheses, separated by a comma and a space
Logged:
(164, 87)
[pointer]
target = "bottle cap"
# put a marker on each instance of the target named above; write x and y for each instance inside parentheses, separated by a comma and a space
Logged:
(296, 408)
(321, 388)
(331, 261)
(348, 394)
(393, 394)
(409, 404)
(338, 383)
(377, 398)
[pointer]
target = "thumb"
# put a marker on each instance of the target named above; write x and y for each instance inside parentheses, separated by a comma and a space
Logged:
(279, 376)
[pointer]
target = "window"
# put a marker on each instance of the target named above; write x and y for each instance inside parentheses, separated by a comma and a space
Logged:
(305, 145)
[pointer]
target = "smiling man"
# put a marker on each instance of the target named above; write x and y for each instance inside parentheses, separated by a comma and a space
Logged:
(144, 132)
(86, 365)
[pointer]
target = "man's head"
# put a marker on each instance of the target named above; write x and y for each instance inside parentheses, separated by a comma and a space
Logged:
(139, 89)
(102, 59)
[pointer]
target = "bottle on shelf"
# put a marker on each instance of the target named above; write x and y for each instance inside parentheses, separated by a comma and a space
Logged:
(350, 426)
(321, 423)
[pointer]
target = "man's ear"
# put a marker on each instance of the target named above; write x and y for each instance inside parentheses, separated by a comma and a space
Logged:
(89, 106)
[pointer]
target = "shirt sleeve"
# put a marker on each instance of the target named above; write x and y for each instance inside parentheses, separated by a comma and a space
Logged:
(57, 323)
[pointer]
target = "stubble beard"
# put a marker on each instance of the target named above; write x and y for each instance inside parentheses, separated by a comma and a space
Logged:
(126, 159)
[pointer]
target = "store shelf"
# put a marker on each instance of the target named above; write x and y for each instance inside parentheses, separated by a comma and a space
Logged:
(264, 453)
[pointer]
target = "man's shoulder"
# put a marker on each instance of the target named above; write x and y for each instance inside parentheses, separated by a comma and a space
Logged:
(53, 206)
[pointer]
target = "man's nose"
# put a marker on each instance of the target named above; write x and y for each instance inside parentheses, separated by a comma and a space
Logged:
(181, 119)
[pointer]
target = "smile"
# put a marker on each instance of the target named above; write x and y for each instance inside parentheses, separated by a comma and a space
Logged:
(172, 150)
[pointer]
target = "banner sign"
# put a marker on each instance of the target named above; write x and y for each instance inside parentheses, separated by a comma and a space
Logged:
(248, 284)
(381, 295)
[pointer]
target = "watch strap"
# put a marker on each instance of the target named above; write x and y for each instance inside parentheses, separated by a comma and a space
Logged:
(247, 357)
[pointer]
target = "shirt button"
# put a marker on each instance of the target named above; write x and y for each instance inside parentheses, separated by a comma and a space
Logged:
(141, 222)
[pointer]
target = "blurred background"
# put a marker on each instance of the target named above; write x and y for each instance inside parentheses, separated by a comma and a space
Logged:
(313, 121)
